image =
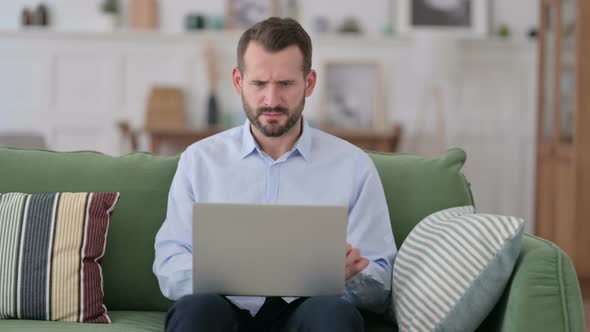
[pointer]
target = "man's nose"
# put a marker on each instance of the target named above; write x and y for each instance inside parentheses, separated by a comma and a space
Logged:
(272, 97)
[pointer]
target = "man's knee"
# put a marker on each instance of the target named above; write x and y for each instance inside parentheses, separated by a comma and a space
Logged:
(331, 304)
(202, 312)
(201, 304)
(326, 311)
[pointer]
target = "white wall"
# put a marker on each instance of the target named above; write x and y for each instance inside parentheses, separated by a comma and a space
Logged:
(373, 15)
(74, 87)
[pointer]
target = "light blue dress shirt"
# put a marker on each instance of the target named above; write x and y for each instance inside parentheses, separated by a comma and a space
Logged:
(321, 169)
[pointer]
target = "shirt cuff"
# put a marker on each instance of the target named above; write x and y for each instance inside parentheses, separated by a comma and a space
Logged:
(369, 288)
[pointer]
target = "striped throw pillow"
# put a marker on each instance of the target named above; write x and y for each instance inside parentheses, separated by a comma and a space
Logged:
(51, 245)
(452, 269)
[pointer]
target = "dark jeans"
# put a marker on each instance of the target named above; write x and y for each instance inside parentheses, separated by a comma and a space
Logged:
(214, 313)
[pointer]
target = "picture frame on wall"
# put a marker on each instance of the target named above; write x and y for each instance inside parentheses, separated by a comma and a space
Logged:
(353, 96)
(464, 17)
(241, 14)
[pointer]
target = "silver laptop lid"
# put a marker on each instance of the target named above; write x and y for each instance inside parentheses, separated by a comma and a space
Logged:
(269, 250)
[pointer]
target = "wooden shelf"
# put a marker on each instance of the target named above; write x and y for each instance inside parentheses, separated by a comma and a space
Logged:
(467, 43)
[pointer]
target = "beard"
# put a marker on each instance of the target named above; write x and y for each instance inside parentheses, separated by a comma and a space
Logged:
(273, 128)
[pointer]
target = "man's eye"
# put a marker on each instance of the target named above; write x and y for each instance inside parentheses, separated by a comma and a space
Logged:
(284, 83)
(258, 84)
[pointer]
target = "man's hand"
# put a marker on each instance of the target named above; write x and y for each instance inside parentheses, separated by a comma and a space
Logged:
(354, 262)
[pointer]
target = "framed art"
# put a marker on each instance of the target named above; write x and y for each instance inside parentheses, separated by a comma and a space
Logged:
(353, 96)
(241, 14)
(468, 17)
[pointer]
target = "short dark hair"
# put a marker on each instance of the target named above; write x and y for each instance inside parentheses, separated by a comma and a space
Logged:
(276, 34)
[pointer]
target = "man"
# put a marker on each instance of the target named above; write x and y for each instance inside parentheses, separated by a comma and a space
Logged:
(276, 158)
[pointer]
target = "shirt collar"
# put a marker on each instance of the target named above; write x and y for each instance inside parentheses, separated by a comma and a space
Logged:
(303, 144)
(248, 142)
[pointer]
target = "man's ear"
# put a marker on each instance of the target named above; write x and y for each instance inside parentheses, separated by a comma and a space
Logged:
(237, 80)
(310, 82)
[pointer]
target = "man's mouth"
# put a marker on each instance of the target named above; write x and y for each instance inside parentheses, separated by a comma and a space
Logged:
(272, 115)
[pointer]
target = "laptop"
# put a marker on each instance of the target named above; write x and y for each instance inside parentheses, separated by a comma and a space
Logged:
(269, 250)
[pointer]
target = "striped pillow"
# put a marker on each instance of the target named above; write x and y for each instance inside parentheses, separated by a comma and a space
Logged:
(51, 246)
(452, 269)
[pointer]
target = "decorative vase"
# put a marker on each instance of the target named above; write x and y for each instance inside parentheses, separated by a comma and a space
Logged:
(26, 17)
(212, 111)
(41, 15)
(144, 14)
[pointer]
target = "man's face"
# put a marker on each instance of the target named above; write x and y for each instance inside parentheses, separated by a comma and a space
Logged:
(273, 88)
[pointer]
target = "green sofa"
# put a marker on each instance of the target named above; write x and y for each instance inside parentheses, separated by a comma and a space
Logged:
(543, 293)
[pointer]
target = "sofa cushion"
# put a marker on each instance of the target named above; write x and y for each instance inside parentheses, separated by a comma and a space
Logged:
(143, 181)
(51, 245)
(122, 321)
(50, 253)
(453, 268)
(416, 187)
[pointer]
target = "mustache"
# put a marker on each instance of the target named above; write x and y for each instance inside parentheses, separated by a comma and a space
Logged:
(276, 109)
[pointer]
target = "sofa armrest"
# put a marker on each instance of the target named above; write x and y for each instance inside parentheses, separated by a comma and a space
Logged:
(543, 293)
